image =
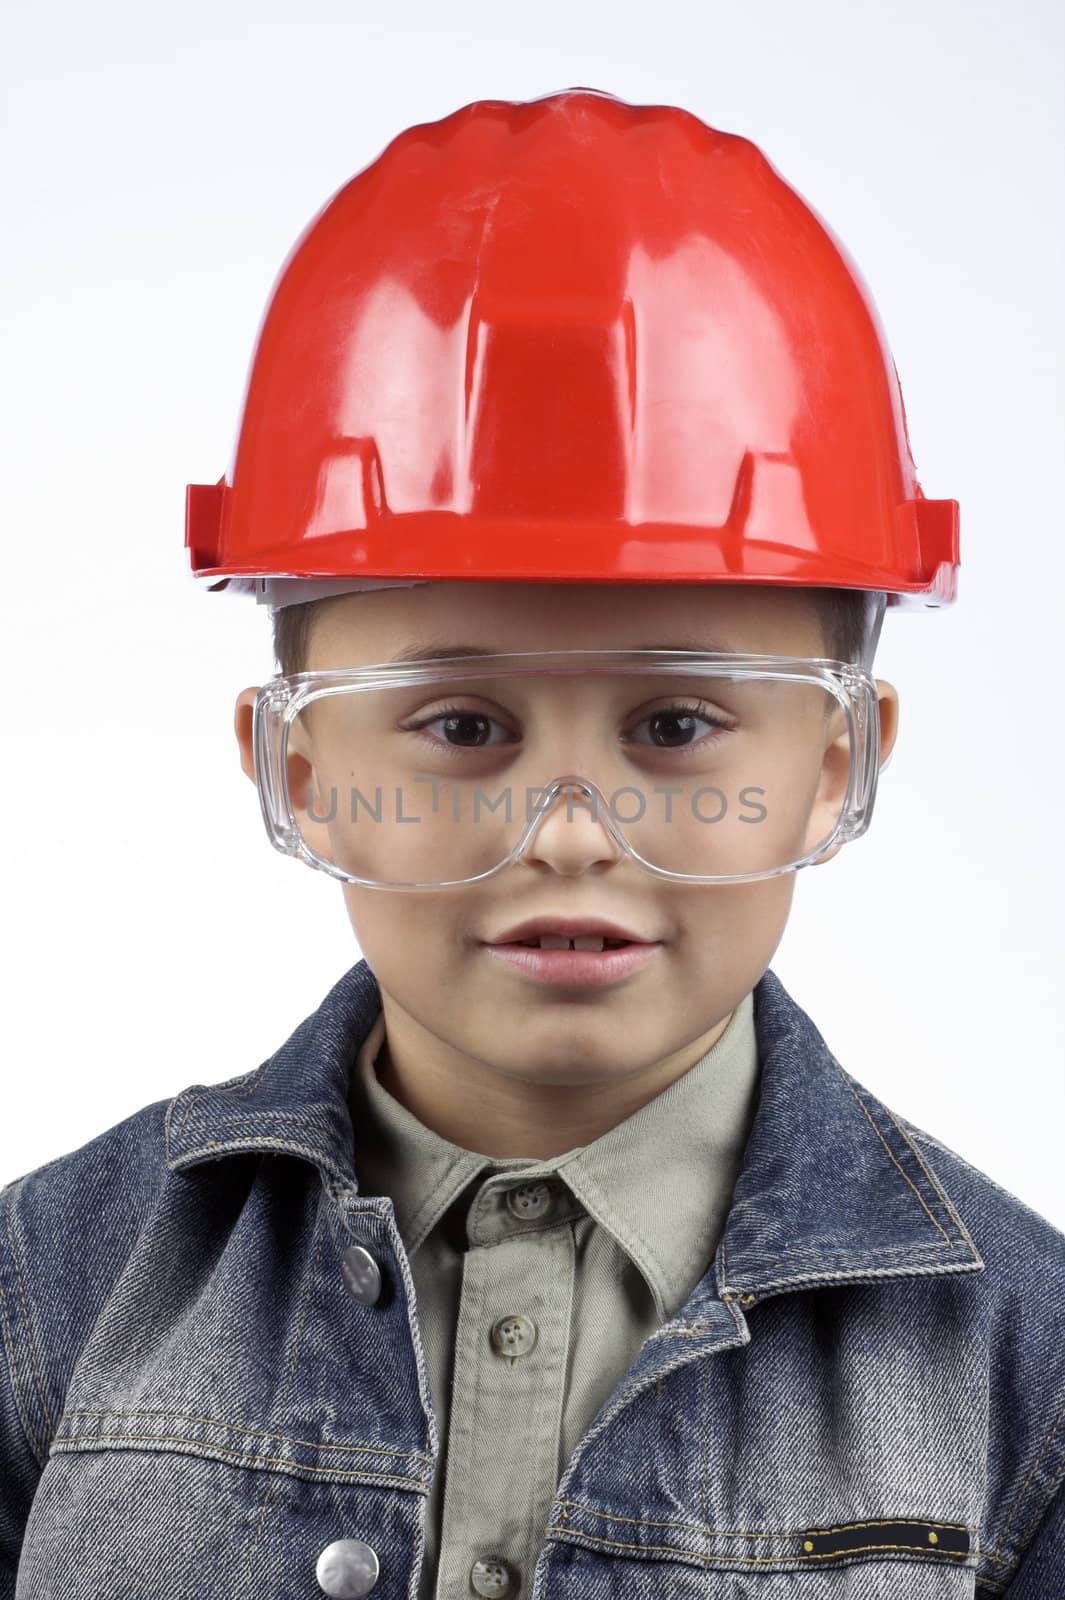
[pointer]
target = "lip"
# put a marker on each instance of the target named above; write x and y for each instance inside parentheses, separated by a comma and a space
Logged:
(568, 928)
(577, 968)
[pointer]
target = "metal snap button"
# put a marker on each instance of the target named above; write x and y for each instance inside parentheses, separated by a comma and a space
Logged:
(347, 1569)
(529, 1201)
(362, 1275)
(490, 1576)
(513, 1336)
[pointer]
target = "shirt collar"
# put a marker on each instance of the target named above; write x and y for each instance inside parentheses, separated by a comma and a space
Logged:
(659, 1182)
(831, 1187)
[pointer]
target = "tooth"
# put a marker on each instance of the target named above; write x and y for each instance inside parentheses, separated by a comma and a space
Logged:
(553, 941)
(588, 942)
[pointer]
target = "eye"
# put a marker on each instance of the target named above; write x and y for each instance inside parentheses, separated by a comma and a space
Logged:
(673, 727)
(676, 724)
(463, 729)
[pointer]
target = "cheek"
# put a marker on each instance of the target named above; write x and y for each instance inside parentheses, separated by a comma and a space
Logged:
(400, 930)
(723, 935)
(733, 927)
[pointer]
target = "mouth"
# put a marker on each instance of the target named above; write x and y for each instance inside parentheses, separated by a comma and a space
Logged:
(556, 941)
(585, 961)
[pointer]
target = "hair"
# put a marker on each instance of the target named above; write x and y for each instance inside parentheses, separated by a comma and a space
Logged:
(845, 615)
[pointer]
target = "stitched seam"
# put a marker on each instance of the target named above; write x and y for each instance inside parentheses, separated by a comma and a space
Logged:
(1039, 1456)
(251, 1433)
(864, 1274)
(948, 1208)
(937, 1144)
(704, 1418)
(828, 1258)
(744, 1533)
(1041, 1507)
(893, 1156)
(230, 1086)
(764, 1561)
(920, 1162)
(252, 1119)
(244, 1457)
(260, 1142)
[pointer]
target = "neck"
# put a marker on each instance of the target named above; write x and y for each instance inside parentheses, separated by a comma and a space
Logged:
(477, 1105)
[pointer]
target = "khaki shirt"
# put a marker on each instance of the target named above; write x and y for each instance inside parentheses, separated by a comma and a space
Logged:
(534, 1296)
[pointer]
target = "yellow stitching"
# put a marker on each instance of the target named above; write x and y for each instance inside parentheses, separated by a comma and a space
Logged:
(236, 1455)
(242, 1083)
(894, 1158)
(252, 1433)
(1037, 1514)
(959, 1224)
(1039, 1456)
(947, 1207)
(883, 1522)
(879, 1522)
(761, 1561)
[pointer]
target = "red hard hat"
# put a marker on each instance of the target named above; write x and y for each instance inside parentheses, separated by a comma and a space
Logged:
(573, 339)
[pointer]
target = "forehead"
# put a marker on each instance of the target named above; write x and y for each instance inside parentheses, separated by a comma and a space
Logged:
(442, 618)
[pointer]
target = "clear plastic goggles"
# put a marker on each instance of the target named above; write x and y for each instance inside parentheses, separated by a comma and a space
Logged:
(703, 767)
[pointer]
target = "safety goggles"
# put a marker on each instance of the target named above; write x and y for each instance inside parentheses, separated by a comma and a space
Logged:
(701, 767)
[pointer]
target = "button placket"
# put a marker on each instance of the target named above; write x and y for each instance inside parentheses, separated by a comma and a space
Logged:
(517, 1289)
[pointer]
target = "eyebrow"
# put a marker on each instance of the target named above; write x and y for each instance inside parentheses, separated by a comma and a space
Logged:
(430, 648)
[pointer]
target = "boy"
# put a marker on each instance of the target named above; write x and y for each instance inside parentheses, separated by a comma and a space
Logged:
(554, 1255)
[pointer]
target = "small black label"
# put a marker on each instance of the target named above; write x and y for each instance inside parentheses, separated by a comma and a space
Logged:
(940, 1538)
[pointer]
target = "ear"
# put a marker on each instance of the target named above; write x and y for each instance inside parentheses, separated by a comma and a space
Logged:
(242, 723)
(888, 702)
(300, 769)
(888, 696)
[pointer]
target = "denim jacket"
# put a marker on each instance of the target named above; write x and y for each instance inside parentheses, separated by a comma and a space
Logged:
(202, 1399)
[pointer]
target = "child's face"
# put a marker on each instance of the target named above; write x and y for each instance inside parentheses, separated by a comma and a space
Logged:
(427, 948)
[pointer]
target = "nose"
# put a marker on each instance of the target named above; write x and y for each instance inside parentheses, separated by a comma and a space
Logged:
(570, 835)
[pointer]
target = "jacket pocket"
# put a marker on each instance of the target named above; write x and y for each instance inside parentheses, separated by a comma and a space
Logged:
(146, 1513)
(615, 1558)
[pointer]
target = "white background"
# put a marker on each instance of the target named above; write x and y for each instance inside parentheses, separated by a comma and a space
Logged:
(160, 161)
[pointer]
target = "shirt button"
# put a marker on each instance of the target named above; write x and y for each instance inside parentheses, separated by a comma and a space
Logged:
(529, 1201)
(347, 1569)
(362, 1276)
(513, 1336)
(490, 1577)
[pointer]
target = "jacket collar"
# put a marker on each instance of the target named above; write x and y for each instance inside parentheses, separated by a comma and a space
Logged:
(831, 1188)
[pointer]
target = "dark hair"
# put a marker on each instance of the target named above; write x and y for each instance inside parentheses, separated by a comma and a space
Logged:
(842, 611)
